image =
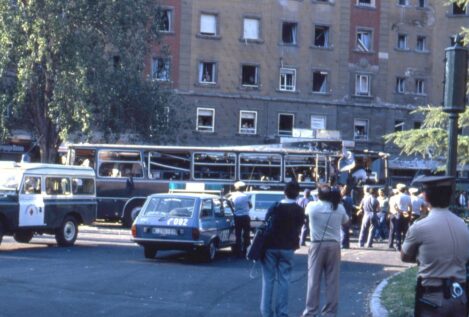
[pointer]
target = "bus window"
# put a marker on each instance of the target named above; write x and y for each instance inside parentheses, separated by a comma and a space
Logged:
(260, 167)
(169, 165)
(83, 186)
(299, 168)
(120, 164)
(215, 165)
(82, 157)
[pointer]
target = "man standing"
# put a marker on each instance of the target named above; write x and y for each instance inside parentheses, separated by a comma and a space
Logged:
(404, 208)
(439, 243)
(370, 207)
(242, 205)
(418, 204)
(282, 240)
(302, 202)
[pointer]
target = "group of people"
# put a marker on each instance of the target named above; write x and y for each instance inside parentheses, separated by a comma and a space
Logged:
(438, 242)
(400, 210)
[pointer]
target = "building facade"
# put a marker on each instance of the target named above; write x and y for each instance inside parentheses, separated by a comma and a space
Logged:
(251, 71)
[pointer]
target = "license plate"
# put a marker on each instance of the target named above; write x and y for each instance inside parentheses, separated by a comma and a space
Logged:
(164, 231)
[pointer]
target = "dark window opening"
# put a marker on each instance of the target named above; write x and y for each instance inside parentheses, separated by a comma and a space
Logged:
(320, 82)
(398, 125)
(321, 36)
(289, 33)
(458, 9)
(249, 75)
(285, 124)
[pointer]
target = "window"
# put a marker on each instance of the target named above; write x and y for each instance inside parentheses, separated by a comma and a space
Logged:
(364, 38)
(455, 38)
(31, 185)
(403, 2)
(58, 186)
(459, 9)
(169, 165)
(207, 72)
(214, 165)
(421, 43)
(400, 85)
(247, 122)
(160, 69)
(398, 125)
(421, 3)
(287, 79)
(285, 123)
(251, 29)
(321, 36)
(417, 124)
(360, 129)
(366, 3)
(362, 85)
(83, 186)
(289, 32)
(205, 120)
(249, 76)
(320, 82)
(402, 41)
(118, 164)
(260, 167)
(318, 122)
(419, 87)
(164, 20)
(208, 24)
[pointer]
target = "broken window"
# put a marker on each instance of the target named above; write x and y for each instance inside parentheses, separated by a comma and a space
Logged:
(207, 72)
(160, 69)
(360, 129)
(362, 85)
(402, 41)
(249, 75)
(320, 81)
(260, 167)
(400, 85)
(214, 165)
(169, 165)
(287, 79)
(205, 120)
(285, 123)
(208, 24)
(289, 32)
(251, 29)
(364, 40)
(321, 36)
(398, 125)
(247, 122)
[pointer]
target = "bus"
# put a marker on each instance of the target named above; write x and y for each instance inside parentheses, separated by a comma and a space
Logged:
(127, 174)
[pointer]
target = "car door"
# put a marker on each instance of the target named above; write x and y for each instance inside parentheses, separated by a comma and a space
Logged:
(225, 222)
(31, 213)
(208, 224)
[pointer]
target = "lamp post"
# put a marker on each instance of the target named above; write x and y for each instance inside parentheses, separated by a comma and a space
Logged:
(454, 97)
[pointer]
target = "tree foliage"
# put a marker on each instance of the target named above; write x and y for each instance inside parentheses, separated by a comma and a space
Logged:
(79, 65)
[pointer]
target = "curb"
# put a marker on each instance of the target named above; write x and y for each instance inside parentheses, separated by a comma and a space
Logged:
(376, 309)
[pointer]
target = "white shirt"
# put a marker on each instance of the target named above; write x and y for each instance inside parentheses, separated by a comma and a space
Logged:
(321, 213)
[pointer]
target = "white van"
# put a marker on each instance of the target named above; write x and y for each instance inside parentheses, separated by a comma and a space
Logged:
(45, 199)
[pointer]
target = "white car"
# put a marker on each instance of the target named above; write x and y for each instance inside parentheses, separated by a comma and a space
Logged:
(261, 202)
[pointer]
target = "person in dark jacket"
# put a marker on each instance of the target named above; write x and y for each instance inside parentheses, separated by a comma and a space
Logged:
(286, 219)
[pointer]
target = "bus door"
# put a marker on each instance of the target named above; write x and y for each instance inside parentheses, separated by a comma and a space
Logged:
(31, 203)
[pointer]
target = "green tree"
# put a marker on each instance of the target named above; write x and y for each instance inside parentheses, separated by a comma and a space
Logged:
(431, 140)
(79, 65)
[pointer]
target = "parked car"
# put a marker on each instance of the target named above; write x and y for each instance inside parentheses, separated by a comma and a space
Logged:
(184, 221)
(45, 199)
(261, 201)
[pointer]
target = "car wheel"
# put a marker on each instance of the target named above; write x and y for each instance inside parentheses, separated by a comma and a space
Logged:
(211, 251)
(149, 252)
(67, 233)
(23, 236)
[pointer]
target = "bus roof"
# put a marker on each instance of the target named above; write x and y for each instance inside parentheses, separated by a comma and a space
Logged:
(41, 168)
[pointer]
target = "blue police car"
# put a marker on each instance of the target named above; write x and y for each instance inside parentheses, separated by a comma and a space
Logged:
(184, 221)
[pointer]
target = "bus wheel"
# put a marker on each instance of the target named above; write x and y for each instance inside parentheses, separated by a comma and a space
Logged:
(67, 233)
(23, 236)
(149, 252)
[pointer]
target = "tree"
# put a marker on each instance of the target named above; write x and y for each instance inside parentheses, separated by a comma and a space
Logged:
(431, 139)
(79, 66)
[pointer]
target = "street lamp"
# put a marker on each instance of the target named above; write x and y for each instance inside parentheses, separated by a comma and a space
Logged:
(455, 97)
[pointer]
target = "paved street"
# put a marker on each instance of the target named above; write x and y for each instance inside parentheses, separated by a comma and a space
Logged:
(106, 275)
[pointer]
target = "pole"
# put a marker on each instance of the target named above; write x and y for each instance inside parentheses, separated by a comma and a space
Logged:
(452, 144)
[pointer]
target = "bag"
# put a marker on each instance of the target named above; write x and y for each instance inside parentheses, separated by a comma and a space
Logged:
(256, 250)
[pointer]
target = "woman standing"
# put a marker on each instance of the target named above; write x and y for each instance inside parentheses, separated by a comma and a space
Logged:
(326, 216)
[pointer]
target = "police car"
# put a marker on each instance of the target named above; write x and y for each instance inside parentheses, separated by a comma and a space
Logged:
(184, 221)
(45, 199)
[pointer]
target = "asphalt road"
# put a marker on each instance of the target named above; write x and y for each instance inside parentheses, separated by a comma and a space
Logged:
(105, 274)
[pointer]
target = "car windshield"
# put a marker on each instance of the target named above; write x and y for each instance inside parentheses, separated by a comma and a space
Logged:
(170, 207)
(9, 180)
(264, 201)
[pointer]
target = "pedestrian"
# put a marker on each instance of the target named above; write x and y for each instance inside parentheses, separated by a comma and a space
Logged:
(439, 244)
(370, 207)
(242, 204)
(347, 202)
(404, 207)
(286, 219)
(325, 219)
(394, 221)
(400, 207)
(381, 230)
(462, 199)
(418, 204)
(302, 202)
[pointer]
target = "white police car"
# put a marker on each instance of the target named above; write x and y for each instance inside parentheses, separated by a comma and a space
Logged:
(261, 201)
(184, 221)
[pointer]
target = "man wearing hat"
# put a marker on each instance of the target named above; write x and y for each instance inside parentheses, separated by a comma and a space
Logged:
(242, 205)
(401, 207)
(439, 243)
(418, 204)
